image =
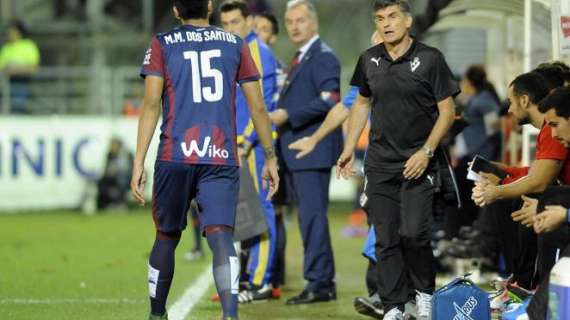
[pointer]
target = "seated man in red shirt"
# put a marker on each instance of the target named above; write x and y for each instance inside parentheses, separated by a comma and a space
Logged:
(516, 241)
(552, 223)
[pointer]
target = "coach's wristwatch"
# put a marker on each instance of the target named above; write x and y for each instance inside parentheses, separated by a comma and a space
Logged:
(428, 151)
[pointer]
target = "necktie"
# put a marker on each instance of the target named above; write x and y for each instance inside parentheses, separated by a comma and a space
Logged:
(295, 61)
(296, 58)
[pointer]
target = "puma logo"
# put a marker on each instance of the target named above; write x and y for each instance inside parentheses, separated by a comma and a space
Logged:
(415, 64)
(376, 60)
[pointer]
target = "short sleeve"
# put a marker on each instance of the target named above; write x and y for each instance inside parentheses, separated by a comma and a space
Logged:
(515, 173)
(360, 79)
(247, 70)
(348, 99)
(549, 148)
(153, 63)
(3, 58)
(484, 105)
(441, 78)
(33, 54)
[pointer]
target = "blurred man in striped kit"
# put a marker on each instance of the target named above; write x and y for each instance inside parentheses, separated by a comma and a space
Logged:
(235, 17)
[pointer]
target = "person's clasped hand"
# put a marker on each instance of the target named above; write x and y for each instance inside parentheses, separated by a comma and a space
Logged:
(525, 215)
(484, 192)
(550, 219)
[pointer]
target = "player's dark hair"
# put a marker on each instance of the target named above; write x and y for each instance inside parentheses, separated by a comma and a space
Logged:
(192, 9)
(559, 100)
(566, 76)
(565, 69)
(271, 17)
(20, 26)
(531, 84)
(231, 5)
(552, 74)
(561, 64)
(404, 5)
(477, 75)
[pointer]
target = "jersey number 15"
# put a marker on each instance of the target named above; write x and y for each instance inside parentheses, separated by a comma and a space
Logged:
(201, 68)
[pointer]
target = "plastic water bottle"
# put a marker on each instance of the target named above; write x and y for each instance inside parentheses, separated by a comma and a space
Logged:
(559, 291)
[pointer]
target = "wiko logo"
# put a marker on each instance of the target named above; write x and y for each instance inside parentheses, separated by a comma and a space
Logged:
(464, 313)
(212, 151)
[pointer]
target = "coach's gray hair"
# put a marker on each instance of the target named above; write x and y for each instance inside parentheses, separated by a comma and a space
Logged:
(404, 5)
(308, 4)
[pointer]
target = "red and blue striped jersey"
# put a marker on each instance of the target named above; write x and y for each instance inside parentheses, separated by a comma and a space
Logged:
(200, 67)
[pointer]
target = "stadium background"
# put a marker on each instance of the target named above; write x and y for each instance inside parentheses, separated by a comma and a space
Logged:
(91, 53)
(56, 263)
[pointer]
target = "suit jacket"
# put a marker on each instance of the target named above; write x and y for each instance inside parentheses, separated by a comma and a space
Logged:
(312, 88)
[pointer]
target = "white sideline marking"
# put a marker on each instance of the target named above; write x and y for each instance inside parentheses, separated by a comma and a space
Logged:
(71, 301)
(178, 311)
(182, 307)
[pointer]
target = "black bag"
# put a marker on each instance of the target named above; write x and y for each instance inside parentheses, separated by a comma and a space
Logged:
(250, 218)
(445, 182)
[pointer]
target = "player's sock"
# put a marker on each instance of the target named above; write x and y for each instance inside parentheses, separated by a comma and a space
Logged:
(161, 270)
(226, 268)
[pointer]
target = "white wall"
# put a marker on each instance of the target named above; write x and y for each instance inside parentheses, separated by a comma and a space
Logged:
(48, 162)
(51, 162)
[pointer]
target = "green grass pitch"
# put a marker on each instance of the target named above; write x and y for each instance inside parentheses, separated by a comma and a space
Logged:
(64, 265)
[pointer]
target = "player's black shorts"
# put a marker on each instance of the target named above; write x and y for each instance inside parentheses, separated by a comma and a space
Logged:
(215, 189)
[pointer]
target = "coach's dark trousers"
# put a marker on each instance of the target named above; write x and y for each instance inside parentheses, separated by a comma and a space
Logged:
(312, 193)
(401, 212)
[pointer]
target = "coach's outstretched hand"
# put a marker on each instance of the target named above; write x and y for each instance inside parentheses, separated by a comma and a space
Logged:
(271, 176)
(344, 165)
(137, 183)
(304, 145)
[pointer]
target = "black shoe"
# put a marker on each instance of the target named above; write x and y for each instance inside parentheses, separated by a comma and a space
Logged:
(469, 233)
(311, 297)
(369, 306)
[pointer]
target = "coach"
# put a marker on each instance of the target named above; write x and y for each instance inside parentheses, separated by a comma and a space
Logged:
(310, 91)
(411, 89)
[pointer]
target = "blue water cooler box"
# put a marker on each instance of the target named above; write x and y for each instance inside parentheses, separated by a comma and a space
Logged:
(461, 299)
(559, 293)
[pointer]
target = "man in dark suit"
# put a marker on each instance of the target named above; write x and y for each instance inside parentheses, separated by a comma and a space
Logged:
(310, 91)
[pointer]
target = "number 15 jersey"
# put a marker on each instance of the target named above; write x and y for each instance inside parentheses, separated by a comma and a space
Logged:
(200, 67)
